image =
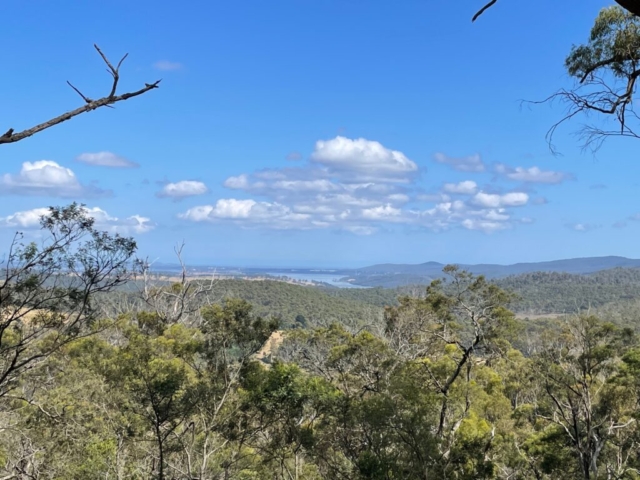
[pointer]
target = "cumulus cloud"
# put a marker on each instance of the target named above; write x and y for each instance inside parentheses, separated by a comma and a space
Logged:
(30, 219)
(365, 159)
(46, 178)
(182, 189)
(494, 200)
(167, 66)
(471, 163)
(359, 186)
(467, 187)
(24, 219)
(386, 212)
(247, 213)
(106, 159)
(531, 174)
(134, 224)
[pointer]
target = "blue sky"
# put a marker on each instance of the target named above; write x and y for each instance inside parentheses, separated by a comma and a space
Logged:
(314, 132)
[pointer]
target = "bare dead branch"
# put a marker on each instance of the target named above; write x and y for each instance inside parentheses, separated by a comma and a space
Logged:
(106, 101)
(86, 99)
(178, 301)
(483, 9)
(594, 94)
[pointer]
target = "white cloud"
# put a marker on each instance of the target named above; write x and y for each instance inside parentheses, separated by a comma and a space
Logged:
(486, 226)
(306, 185)
(472, 163)
(361, 229)
(496, 215)
(125, 226)
(24, 219)
(364, 159)
(231, 208)
(30, 219)
(532, 174)
(386, 212)
(106, 159)
(182, 189)
(494, 200)
(581, 227)
(467, 187)
(398, 198)
(241, 182)
(358, 186)
(46, 178)
(167, 66)
(248, 213)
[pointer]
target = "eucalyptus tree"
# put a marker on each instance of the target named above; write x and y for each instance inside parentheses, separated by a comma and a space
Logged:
(605, 69)
(47, 288)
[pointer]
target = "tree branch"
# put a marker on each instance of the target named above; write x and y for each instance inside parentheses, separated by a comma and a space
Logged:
(483, 9)
(631, 6)
(107, 101)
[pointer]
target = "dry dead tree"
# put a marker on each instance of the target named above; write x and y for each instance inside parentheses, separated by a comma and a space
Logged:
(179, 300)
(11, 136)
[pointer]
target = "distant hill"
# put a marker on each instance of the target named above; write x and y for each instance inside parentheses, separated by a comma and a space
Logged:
(393, 275)
(556, 292)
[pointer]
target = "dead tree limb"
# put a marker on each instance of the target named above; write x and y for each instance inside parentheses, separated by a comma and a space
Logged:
(11, 136)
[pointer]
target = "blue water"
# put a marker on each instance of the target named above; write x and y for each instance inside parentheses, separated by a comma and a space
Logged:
(330, 278)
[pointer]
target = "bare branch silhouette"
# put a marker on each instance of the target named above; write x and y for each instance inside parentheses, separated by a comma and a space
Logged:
(11, 136)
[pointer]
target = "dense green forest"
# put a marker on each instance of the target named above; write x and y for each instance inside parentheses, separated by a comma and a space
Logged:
(104, 378)
(550, 292)
(448, 384)
(614, 292)
(318, 306)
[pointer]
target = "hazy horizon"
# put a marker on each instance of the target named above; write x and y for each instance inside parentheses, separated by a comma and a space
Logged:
(266, 266)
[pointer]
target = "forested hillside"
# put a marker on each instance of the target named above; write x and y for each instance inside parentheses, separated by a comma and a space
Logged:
(316, 305)
(447, 385)
(550, 292)
(389, 275)
(614, 291)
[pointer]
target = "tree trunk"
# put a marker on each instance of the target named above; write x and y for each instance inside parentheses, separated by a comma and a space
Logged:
(632, 6)
(160, 452)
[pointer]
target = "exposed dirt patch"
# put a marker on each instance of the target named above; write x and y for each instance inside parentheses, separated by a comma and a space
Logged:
(271, 345)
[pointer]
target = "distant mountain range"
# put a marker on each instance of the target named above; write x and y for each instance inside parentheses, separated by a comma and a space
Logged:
(393, 275)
